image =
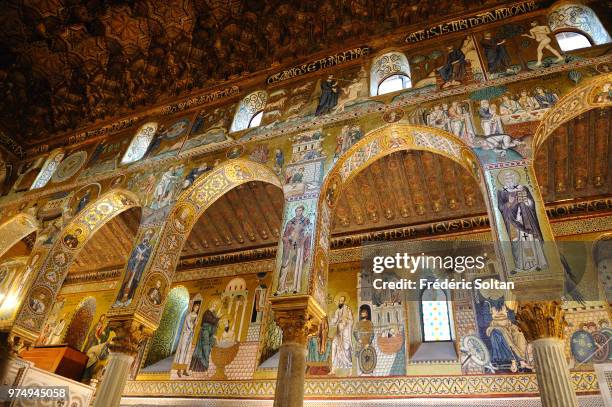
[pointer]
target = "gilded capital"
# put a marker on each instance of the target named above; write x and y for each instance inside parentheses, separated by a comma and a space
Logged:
(540, 320)
(129, 335)
(298, 317)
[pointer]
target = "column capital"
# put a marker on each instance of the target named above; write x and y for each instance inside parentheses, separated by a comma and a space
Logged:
(129, 335)
(298, 316)
(540, 320)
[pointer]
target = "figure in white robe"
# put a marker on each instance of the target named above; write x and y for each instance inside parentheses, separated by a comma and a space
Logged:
(182, 357)
(438, 118)
(461, 123)
(499, 143)
(528, 102)
(342, 345)
(489, 119)
(164, 190)
(509, 106)
(56, 334)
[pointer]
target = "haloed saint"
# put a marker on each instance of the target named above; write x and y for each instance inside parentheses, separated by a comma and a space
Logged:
(518, 210)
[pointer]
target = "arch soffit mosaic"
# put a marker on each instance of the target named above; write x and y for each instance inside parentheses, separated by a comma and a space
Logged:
(64, 251)
(206, 190)
(575, 103)
(189, 207)
(373, 146)
(391, 138)
(15, 229)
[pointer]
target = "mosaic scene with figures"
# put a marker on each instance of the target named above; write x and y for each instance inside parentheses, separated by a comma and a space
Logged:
(194, 196)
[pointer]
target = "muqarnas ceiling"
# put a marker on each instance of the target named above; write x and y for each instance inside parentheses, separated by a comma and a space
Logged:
(67, 63)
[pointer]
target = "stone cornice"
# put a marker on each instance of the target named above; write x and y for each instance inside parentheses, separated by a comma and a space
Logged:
(89, 276)
(417, 97)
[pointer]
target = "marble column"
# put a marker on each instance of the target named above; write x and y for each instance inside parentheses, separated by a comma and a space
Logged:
(543, 324)
(115, 376)
(297, 316)
(129, 335)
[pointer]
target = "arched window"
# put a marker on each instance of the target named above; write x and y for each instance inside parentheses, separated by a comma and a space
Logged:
(570, 40)
(250, 111)
(48, 169)
(393, 83)
(390, 72)
(256, 120)
(576, 26)
(436, 320)
(140, 143)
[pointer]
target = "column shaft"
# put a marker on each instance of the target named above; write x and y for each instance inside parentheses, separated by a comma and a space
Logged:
(556, 388)
(115, 376)
(291, 375)
(297, 316)
(543, 324)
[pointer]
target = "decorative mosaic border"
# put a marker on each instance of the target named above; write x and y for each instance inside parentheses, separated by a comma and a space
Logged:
(583, 401)
(358, 387)
(582, 226)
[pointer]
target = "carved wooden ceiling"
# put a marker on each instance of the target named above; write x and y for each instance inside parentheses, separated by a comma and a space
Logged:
(247, 217)
(65, 63)
(407, 187)
(110, 246)
(575, 162)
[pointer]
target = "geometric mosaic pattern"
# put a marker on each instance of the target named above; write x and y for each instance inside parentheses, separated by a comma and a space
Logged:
(343, 388)
(241, 368)
(583, 401)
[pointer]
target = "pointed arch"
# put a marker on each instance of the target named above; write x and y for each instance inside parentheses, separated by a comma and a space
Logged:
(15, 229)
(81, 321)
(162, 343)
(189, 206)
(373, 146)
(592, 95)
(71, 240)
(395, 137)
